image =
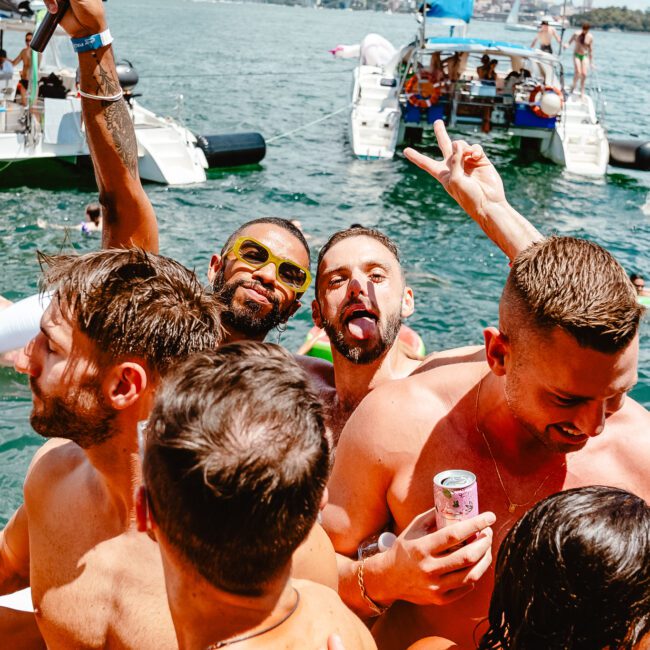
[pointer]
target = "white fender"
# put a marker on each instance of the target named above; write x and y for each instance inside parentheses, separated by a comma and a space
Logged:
(20, 322)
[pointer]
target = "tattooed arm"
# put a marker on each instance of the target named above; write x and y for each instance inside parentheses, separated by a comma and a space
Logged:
(128, 216)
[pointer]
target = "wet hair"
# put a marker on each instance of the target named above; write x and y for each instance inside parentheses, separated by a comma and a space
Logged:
(131, 303)
(357, 230)
(573, 284)
(273, 221)
(574, 572)
(236, 463)
(3, 54)
(94, 212)
(586, 27)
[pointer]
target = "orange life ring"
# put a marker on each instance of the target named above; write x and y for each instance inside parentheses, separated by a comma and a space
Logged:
(535, 107)
(421, 91)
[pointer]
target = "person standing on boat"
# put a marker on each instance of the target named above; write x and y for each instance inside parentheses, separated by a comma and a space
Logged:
(545, 35)
(6, 68)
(25, 57)
(583, 56)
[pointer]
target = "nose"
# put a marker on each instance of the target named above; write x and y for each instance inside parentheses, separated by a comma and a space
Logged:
(266, 274)
(355, 286)
(591, 419)
(24, 361)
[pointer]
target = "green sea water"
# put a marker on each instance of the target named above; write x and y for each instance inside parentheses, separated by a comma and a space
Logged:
(257, 67)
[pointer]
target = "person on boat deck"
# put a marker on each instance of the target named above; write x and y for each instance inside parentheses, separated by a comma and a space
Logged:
(234, 473)
(25, 57)
(544, 36)
(6, 69)
(583, 56)
(436, 71)
(484, 69)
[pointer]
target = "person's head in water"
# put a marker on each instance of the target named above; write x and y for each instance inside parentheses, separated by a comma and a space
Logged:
(260, 276)
(567, 342)
(94, 213)
(117, 321)
(638, 281)
(235, 466)
(574, 572)
(361, 294)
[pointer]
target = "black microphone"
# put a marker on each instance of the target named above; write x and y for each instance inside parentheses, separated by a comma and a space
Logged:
(47, 27)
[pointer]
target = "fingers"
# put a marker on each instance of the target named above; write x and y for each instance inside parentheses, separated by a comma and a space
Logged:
(465, 557)
(451, 536)
(52, 6)
(421, 525)
(444, 141)
(429, 165)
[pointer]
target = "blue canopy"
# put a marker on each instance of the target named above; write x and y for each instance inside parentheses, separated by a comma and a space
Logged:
(477, 44)
(444, 10)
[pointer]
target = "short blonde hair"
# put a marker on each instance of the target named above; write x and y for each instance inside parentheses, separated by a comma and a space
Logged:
(576, 285)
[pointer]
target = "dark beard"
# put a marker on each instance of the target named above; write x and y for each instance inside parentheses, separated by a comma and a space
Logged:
(357, 353)
(81, 416)
(245, 318)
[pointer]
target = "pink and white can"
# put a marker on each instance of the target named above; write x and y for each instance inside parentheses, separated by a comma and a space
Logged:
(455, 493)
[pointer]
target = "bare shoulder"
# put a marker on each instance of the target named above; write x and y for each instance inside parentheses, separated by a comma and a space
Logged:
(327, 611)
(449, 357)
(315, 559)
(55, 460)
(321, 372)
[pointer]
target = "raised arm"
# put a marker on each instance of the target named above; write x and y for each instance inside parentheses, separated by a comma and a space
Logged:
(129, 219)
(471, 179)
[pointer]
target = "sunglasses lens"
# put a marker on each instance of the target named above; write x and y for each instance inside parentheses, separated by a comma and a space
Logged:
(253, 253)
(292, 275)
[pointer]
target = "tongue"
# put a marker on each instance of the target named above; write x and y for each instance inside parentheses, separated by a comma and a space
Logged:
(362, 327)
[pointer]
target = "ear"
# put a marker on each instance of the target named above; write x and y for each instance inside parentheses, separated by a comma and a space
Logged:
(324, 499)
(497, 349)
(315, 314)
(294, 308)
(408, 302)
(214, 268)
(125, 384)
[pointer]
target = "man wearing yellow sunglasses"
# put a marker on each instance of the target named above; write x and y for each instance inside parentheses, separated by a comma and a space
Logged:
(260, 276)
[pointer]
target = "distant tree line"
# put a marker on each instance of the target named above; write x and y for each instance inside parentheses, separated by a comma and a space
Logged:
(615, 18)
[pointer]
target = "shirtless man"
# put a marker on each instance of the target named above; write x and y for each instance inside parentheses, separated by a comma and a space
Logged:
(93, 370)
(583, 56)
(546, 410)
(235, 469)
(25, 57)
(544, 36)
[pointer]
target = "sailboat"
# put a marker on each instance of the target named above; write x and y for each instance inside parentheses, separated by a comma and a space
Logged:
(512, 21)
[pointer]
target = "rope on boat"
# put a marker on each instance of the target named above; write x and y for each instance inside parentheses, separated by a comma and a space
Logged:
(306, 126)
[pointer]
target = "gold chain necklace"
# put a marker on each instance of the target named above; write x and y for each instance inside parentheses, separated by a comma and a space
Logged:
(512, 506)
(239, 639)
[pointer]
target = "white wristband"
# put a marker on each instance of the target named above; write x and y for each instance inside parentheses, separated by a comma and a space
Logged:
(103, 98)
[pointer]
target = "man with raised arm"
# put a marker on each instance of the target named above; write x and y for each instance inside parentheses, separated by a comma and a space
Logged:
(546, 410)
(235, 468)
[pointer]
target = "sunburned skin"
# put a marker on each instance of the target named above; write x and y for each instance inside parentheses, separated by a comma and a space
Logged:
(386, 462)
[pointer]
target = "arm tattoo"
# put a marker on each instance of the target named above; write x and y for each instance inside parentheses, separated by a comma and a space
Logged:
(118, 119)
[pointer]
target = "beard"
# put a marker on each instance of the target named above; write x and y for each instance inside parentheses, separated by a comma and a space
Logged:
(80, 415)
(246, 318)
(364, 352)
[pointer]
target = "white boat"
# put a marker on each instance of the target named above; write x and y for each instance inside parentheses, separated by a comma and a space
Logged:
(52, 126)
(397, 99)
(512, 21)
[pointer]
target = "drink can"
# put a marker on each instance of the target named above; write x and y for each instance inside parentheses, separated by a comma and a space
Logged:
(455, 493)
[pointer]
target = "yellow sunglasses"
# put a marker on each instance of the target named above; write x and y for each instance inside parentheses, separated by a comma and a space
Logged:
(255, 254)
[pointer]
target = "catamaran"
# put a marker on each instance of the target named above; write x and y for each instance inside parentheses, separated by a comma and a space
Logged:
(51, 124)
(476, 85)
